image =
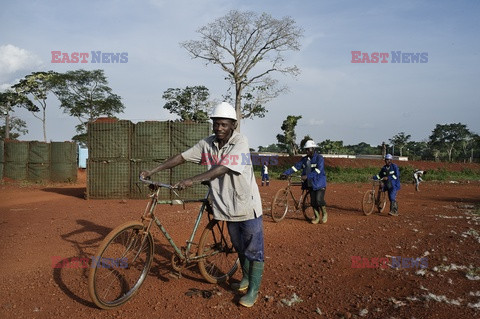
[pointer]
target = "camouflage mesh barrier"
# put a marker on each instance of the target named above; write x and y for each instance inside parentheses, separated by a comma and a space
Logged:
(119, 150)
(63, 158)
(139, 189)
(185, 171)
(186, 134)
(151, 140)
(15, 156)
(38, 152)
(109, 139)
(108, 178)
(38, 172)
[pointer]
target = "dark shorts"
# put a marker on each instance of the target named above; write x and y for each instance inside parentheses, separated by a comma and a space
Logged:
(247, 238)
(318, 198)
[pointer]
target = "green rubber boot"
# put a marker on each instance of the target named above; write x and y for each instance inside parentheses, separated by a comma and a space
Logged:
(316, 220)
(324, 215)
(255, 279)
(243, 284)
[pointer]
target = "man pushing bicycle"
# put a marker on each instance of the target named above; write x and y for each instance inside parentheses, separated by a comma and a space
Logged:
(235, 195)
(390, 175)
(314, 178)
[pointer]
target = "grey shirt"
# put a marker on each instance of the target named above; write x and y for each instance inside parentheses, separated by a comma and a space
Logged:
(235, 195)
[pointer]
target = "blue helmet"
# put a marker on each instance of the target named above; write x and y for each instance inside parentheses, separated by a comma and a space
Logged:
(388, 157)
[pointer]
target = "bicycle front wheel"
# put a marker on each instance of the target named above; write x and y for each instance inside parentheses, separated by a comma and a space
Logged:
(280, 205)
(307, 208)
(368, 202)
(219, 261)
(382, 201)
(120, 266)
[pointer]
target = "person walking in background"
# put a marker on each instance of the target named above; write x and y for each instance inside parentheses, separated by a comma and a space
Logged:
(314, 179)
(417, 178)
(390, 175)
(235, 195)
(265, 177)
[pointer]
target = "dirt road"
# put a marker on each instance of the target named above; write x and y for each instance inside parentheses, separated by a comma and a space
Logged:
(309, 271)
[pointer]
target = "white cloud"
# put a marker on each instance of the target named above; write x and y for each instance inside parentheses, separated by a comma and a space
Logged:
(14, 59)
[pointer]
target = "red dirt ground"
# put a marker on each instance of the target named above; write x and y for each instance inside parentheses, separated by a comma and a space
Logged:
(308, 268)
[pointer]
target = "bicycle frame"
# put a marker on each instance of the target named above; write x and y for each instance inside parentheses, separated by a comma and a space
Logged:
(149, 217)
(289, 190)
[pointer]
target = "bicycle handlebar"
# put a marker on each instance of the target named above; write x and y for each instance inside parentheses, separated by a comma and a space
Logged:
(149, 182)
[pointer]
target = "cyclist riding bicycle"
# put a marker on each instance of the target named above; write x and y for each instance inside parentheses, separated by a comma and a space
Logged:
(314, 179)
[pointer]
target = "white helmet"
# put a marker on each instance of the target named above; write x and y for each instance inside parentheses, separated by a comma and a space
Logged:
(309, 144)
(388, 157)
(224, 110)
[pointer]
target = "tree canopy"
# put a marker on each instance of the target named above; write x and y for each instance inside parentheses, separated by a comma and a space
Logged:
(249, 48)
(190, 103)
(287, 140)
(36, 87)
(86, 96)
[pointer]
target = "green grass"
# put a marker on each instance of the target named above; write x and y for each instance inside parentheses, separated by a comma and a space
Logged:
(364, 174)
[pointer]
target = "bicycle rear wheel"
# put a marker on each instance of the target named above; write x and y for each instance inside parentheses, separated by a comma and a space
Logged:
(307, 208)
(221, 260)
(120, 266)
(368, 202)
(382, 201)
(280, 205)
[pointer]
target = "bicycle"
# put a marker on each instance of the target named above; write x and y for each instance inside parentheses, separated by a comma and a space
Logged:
(280, 203)
(374, 197)
(124, 258)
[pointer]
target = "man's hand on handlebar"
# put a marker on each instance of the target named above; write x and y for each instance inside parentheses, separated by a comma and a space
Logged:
(184, 184)
(283, 176)
(145, 174)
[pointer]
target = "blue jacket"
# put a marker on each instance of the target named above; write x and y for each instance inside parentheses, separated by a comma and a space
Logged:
(393, 174)
(317, 175)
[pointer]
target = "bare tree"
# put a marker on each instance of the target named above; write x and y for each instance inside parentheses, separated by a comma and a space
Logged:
(249, 48)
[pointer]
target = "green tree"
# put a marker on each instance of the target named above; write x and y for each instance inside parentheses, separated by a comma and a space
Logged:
(13, 126)
(36, 86)
(400, 141)
(249, 48)
(446, 137)
(286, 141)
(190, 103)
(86, 96)
(331, 147)
(274, 148)
(417, 150)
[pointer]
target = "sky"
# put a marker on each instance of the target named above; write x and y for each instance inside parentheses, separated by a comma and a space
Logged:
(337, 99)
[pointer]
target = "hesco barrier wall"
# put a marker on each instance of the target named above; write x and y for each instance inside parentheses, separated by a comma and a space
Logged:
(38, 161)
(119, 150)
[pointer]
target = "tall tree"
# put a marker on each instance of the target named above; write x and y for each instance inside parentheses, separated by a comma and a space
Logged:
(331, 147)
(190, 103)
(36, 86)
(400, 141)
(287, 140)
(249, 48)
(448, 136)
(13, 126)
(86, 95)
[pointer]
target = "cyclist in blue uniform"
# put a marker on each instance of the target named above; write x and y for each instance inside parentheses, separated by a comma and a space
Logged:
(390, 175)
(314, 179)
